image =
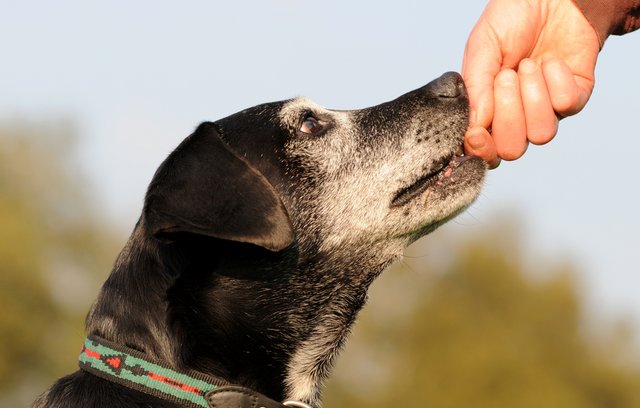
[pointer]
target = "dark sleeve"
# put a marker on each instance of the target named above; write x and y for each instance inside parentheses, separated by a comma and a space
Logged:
(611, 16)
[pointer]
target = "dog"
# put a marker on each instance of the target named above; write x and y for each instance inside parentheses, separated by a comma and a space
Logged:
(259, 237)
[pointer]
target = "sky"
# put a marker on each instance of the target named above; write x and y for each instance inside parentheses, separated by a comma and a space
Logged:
(137, 77)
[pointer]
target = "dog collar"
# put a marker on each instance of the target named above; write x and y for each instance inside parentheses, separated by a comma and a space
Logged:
(188, 388)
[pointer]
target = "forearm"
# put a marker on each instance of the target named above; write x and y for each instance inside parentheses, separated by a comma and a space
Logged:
(611, 16)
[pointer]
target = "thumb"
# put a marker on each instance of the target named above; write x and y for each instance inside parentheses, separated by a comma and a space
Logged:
(481, 63)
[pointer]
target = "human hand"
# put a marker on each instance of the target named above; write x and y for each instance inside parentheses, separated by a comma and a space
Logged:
(527, 63)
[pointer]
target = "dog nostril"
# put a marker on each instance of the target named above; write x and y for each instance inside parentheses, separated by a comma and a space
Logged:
(449, 85)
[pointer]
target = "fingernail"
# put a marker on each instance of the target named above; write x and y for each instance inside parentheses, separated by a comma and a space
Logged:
(476, 141)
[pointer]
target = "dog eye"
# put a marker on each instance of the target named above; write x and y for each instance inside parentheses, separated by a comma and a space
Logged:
(310, 125)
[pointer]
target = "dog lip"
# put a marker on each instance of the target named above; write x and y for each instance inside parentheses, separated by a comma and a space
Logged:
(407, 194)
(442, 170)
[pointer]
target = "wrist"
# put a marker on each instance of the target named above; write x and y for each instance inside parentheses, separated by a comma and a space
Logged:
(609, 17)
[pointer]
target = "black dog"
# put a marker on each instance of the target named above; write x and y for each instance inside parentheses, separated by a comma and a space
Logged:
(259, 237)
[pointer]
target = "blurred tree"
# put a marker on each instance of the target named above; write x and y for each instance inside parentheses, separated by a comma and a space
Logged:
(53, 254)
(479, 331)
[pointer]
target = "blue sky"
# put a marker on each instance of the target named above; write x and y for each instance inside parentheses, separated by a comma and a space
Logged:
(137, 77)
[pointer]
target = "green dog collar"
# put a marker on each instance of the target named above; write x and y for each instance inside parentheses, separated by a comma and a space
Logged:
(133, 369)
(188, 388)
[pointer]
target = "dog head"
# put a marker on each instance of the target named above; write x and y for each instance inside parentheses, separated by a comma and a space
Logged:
(293, 171)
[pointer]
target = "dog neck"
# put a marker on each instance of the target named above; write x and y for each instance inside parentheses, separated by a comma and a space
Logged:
(273, 325)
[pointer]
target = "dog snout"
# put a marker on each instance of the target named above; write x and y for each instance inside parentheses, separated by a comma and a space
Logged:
(450, 85)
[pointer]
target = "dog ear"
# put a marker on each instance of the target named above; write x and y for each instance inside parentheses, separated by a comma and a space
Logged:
(204, 188)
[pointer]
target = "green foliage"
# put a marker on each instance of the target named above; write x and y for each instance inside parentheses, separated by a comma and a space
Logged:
(480, 332)
(52, 252)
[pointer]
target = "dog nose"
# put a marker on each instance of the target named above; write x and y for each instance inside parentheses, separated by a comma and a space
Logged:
(449, 85)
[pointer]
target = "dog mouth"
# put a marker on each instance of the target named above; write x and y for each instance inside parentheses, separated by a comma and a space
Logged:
(441, 174)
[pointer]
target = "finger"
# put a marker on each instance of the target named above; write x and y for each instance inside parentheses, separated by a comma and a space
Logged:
(509, 129)
(478, 142)
(566, 98)
(540, 118)
(482, 60)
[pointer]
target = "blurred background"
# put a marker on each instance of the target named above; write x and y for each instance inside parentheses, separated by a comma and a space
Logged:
(528, 299)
